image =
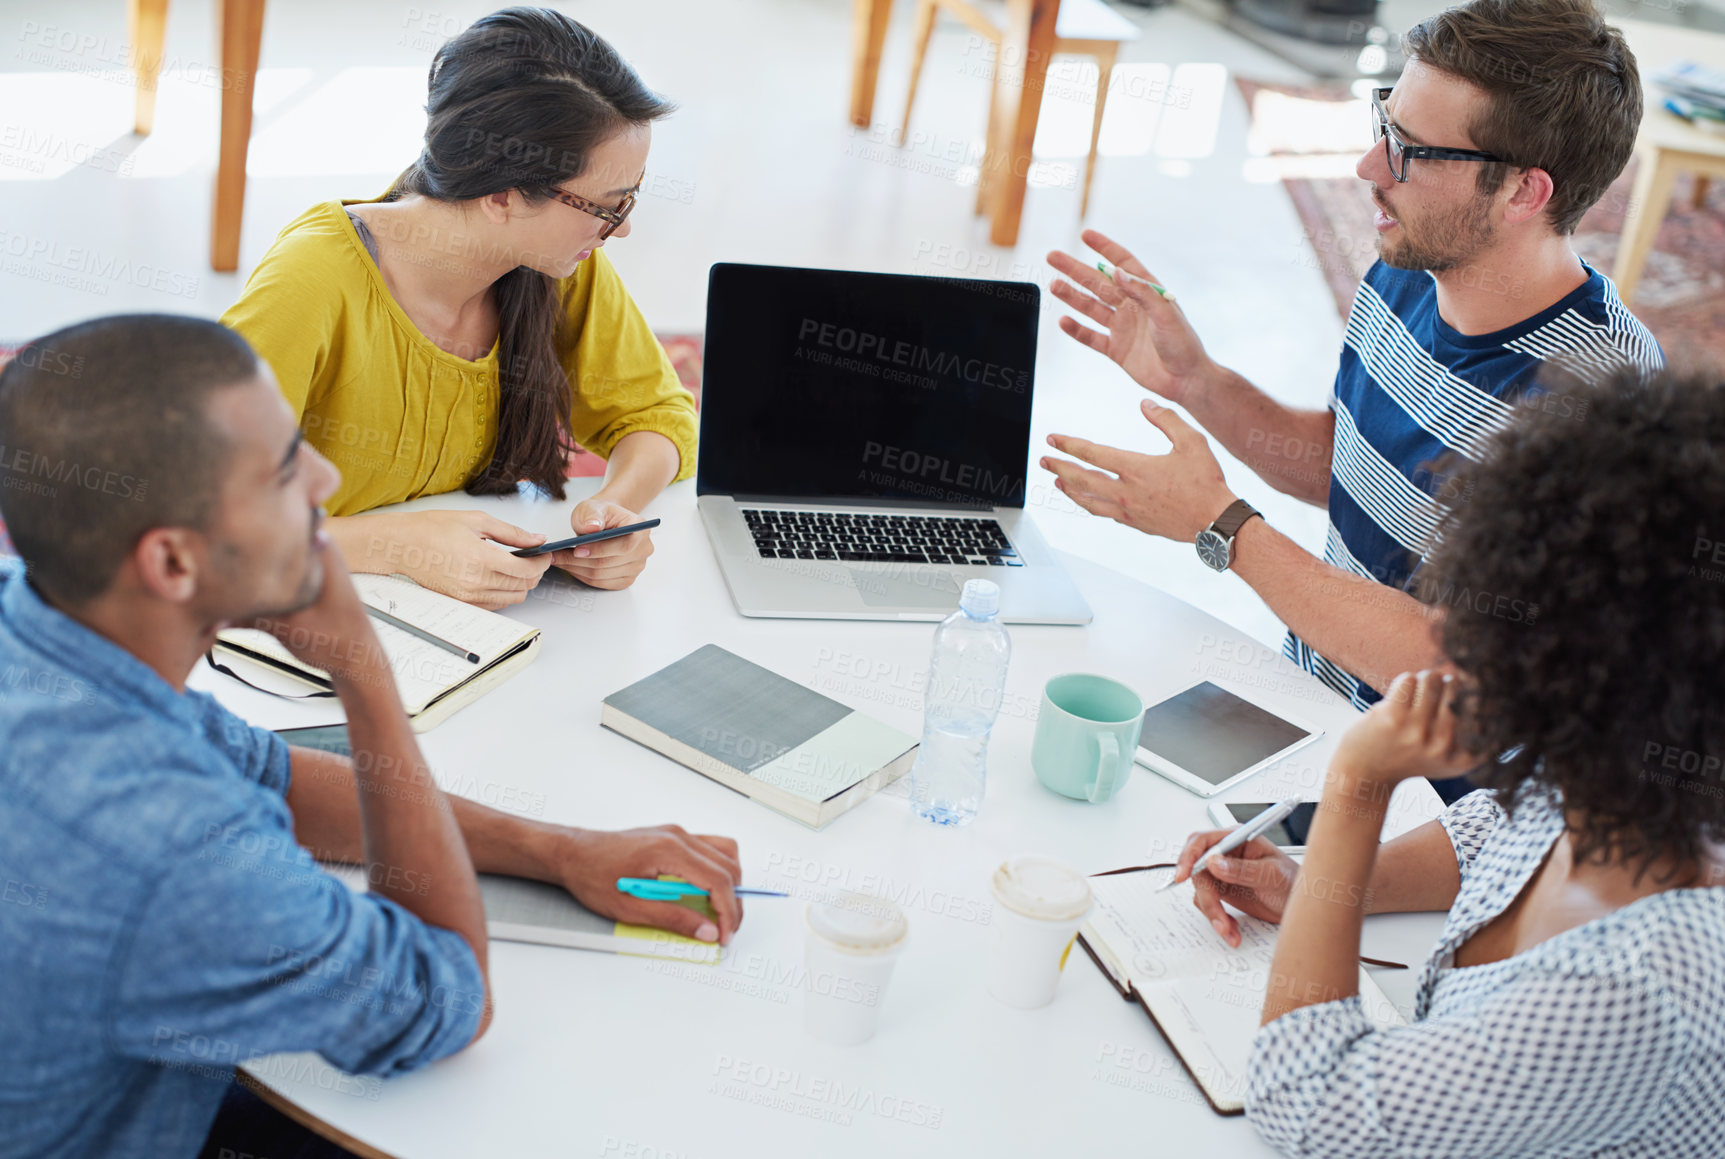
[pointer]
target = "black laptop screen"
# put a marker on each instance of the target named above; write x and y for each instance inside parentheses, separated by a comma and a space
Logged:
(825, 384)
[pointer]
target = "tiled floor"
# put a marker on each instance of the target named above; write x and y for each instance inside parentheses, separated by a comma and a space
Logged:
(760, 165)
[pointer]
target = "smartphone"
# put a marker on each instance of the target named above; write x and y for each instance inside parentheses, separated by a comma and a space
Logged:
(331, 738)
(590, 537)
(1289, 835)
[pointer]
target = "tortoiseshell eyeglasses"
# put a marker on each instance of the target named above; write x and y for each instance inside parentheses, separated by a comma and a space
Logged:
(613, 218)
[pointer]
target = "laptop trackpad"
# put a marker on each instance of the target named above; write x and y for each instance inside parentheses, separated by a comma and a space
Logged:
(887, 587)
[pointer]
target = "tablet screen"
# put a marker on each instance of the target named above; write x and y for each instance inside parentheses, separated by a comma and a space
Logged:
(1213, 734)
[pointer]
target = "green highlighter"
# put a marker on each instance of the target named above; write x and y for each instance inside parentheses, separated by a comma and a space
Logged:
(1115, 275)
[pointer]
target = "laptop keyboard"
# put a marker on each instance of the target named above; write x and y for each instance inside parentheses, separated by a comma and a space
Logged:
(858, 538)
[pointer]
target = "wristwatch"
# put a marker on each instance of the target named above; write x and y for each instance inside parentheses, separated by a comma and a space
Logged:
(1216, 542)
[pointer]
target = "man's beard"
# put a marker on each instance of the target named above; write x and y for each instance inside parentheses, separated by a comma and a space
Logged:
(308, 591)
(1441, 243)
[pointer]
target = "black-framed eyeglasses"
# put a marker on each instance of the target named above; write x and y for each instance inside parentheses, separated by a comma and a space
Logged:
(613, 218)
(1399, 152)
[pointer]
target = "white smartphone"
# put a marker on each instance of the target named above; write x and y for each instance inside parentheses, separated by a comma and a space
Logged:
(1289, 834)
(1207, 738)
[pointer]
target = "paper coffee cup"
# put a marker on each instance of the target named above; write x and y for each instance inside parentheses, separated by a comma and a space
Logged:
(1041, 904)
(853, 941)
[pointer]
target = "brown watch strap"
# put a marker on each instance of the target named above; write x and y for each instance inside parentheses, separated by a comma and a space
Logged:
(1228, 523)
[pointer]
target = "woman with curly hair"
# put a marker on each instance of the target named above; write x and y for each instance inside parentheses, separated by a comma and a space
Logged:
(465, 329)
(1575, 1002)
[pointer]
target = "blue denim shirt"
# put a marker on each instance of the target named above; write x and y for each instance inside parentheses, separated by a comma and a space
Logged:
(158, 922)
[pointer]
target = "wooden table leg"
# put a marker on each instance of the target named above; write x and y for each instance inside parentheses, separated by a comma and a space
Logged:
(1698, 198)
(868, 35)
(1648, 202)
(1106, 57)
(240, 32)
(146, 29)
(1020, 72)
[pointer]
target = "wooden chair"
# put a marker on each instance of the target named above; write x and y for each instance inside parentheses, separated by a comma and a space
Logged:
(239, 28)
(1083, 28)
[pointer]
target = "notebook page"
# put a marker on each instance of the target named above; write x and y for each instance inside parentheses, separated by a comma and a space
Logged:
(477, 630)
(1162, 935)
(1206, 996)
(423, 671)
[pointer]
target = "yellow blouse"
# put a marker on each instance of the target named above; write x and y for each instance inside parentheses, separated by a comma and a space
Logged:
(401, 417)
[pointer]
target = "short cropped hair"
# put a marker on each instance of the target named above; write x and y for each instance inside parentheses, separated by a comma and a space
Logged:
(104, 435)
(1590, 541)
(1563, 92)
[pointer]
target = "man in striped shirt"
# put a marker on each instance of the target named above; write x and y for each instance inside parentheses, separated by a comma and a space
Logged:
(1511, 120)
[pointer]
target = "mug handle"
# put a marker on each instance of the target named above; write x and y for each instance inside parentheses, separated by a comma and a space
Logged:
(1107, 764)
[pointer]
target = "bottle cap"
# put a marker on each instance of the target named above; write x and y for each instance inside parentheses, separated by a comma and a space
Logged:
(1041, 887)
(858, 923)
(981, 598)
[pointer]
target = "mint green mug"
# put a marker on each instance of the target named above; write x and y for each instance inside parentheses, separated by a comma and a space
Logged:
(1086, 736)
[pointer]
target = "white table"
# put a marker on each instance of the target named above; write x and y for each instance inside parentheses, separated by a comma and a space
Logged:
(598, 1055)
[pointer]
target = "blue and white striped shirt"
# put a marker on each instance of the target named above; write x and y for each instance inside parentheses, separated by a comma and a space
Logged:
(1411, 388)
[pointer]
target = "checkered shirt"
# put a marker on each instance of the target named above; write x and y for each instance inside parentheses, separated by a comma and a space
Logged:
(1605, 1040)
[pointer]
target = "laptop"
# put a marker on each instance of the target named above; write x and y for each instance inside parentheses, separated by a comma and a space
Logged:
(865, 440)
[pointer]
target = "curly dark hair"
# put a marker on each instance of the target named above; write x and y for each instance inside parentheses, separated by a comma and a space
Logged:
(1600, 511)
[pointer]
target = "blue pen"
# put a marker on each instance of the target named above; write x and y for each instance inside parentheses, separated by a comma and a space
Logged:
(650, 890)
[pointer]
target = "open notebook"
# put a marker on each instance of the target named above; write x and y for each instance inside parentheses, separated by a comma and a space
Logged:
(518, 910)
(433, 682)
(1203, 995)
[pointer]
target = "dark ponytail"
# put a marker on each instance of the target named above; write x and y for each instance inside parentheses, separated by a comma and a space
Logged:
(519, 101)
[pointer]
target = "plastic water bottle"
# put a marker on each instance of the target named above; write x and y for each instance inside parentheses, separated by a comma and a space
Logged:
(966, 676)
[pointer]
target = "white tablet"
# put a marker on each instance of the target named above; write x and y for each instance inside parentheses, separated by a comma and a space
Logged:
(1208, 739)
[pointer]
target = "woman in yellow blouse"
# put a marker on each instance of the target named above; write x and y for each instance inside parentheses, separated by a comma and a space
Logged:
(463, 330)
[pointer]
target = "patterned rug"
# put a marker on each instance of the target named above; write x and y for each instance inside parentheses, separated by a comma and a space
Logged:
(1311, 137)
(685, 352)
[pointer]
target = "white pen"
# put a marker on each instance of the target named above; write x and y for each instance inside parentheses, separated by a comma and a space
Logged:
(1256, 827)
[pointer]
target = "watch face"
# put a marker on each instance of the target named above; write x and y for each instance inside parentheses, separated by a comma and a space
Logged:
(1214, 550)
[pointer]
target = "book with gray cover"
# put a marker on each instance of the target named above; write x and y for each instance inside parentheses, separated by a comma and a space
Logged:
(785, 745)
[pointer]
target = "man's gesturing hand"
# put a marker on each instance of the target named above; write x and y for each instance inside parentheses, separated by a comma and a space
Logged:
(1144, 332)
(1175, 495)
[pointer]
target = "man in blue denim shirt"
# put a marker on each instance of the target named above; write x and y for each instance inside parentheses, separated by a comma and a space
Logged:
(161, 918)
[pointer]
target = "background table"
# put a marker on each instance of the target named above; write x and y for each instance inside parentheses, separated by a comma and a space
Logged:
(594, 1054)
(1020, 73)
(1667, 144)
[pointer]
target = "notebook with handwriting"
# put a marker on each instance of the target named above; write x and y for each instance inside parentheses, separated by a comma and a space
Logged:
(433, 682)
(1203, 995)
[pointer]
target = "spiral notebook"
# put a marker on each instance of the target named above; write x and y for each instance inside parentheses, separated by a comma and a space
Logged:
(1203, 995)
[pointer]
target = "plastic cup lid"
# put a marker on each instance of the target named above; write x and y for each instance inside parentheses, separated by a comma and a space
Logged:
(858, 923)
(1041, 887)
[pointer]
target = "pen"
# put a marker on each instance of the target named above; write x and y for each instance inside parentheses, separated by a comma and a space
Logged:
(650, 890)
(1256, 827)
(1116, 275)
(410, 629)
